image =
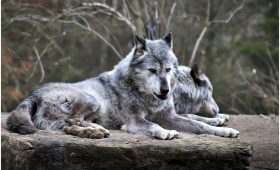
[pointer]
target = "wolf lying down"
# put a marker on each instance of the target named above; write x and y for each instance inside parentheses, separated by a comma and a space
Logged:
(193, 95)
(143, 94)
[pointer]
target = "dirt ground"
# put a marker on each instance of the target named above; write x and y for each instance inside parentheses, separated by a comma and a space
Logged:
(263, 133)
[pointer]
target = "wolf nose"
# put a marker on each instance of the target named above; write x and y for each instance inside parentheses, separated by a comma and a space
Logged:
(164, 91)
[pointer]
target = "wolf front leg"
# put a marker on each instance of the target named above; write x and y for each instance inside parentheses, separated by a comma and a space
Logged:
(216, 121)
(140, 125)
(173, 121)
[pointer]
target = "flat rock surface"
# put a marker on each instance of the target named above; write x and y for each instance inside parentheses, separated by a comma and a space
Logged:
(262, 132)
(45, 150)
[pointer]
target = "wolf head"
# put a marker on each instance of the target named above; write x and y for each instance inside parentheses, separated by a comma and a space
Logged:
(194, 93)
(154, 67)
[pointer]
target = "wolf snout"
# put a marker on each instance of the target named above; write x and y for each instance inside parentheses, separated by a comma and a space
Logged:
(162, 96)
(164, 88)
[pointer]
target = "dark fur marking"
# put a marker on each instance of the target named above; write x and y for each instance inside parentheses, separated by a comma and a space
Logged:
(102, 80)
(140, 41)
(117, 94)
(195, 74)
(168, 39)
(136, 63)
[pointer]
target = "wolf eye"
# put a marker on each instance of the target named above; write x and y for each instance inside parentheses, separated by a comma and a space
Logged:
(168, 69)
(152, 70)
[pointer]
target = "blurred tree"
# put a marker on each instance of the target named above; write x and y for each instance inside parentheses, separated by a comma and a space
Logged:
(50, 40)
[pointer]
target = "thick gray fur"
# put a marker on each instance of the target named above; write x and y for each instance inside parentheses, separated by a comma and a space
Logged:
(137, 93)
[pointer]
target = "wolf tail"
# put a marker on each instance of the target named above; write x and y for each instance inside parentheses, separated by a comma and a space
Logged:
(20, 119)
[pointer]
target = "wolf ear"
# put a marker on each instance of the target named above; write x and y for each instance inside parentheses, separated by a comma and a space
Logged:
(195, 73)
(140, 45)
(168, 39)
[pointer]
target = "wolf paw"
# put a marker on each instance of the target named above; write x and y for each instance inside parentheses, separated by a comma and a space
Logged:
(82, 123)
(217, 122)
(166, 134)
(84, 132)
(227, 132)
(223, 116)
(105, 132)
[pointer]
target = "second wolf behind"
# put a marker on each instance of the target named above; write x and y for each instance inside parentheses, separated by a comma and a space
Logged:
(137, 93)
(193, 96)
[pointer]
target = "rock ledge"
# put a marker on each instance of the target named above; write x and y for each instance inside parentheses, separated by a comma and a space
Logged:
(45, 150)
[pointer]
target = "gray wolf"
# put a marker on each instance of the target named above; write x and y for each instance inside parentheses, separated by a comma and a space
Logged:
(193, 95)
(137, 93)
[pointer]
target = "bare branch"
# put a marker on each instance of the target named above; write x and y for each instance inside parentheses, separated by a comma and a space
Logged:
(40, 64)
(96, 33)
(148, 24)
(202, 33)
(36, 64)
(85, 21)
(156, 10)
(99, 35)
(170, 16)
(274, 68)
(46, 19)
(126, 10)
(114, 13)
(197, 43)
(208, 11)
(109, 33)
(208, 23)
(62, 60)
(230, 16)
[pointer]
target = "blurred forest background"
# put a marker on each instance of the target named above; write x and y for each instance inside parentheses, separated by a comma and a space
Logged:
(234, 42)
